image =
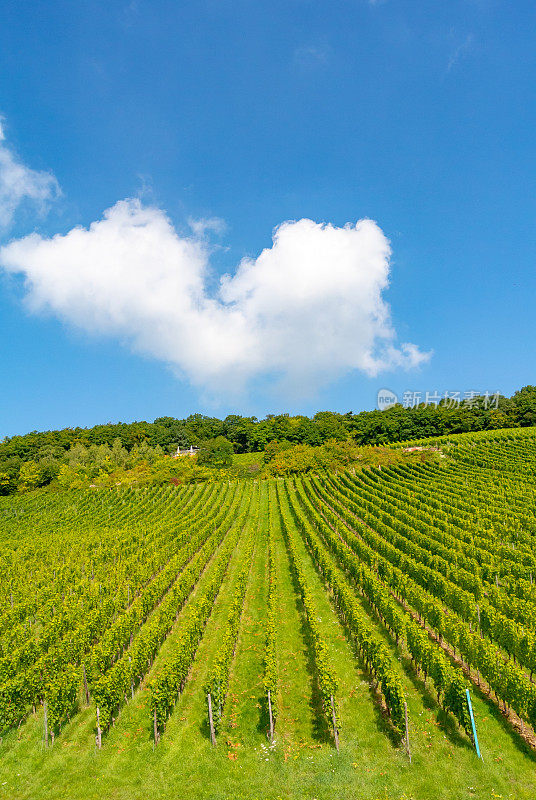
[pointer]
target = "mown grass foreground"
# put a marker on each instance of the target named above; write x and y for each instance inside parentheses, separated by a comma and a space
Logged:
(379, 588)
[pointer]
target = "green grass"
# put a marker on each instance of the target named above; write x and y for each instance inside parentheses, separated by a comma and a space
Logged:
(242, 718)
(245, 465)
(247, 459)
(295, 723)
(371, 764)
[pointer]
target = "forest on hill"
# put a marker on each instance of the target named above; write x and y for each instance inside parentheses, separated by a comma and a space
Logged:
(139, 451)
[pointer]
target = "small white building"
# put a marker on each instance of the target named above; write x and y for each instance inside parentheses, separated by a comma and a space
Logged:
(190, 451)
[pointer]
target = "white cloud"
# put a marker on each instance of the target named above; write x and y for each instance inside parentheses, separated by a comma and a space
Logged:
(210, 224)
(311, 55)
(20, 184)
(460, 51)
(309, 309)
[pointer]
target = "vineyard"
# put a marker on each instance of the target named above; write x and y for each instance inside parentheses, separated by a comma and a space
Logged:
(367, 634)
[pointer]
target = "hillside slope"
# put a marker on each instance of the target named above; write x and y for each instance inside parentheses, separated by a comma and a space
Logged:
(348, 594)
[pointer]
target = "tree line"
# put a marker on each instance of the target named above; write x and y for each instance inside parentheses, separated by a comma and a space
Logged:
(37, 458)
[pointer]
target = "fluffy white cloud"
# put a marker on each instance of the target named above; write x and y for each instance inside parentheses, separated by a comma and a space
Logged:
(307, 310)
(19, 184)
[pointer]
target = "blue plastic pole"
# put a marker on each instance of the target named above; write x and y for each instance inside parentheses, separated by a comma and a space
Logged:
(475, 737)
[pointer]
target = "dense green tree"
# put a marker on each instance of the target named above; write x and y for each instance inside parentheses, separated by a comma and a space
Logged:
(217, 452)
(30, 476)
(8, 483)
(524, 402)
(273, 448)
(240, 431)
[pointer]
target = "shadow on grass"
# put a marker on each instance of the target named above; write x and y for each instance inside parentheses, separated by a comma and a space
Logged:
(263, 723)
(495, 712)
(381, 715)
(321, 728)
(429, 701)
(383, 720)
(445, 720)
(204, 725)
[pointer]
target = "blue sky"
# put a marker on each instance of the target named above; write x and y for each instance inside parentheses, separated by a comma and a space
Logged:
(419, 116)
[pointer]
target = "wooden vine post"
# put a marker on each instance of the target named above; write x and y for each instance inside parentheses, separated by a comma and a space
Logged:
(271, 717)
(86, 689)
(211, 721)
(156, 734)
(99, 732)
(335, 729)
(45, 731)
(406, 738)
